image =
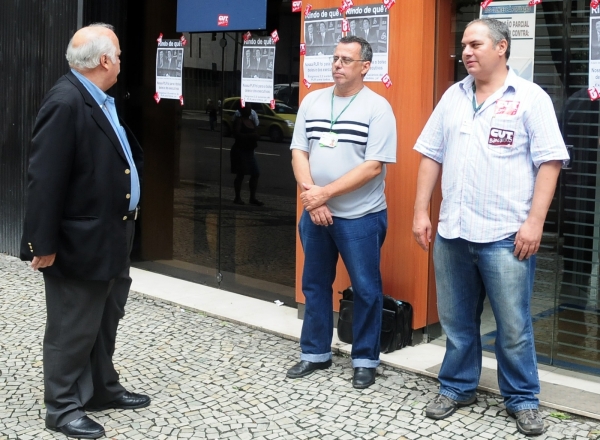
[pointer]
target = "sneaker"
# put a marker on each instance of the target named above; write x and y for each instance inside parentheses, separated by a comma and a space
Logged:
(238, 201)
(443, 406)
(529, 421)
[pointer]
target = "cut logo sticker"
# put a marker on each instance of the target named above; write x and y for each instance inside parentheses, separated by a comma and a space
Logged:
(501, 138)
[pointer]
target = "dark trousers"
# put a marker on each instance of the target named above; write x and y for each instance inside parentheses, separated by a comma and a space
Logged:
(82, 317)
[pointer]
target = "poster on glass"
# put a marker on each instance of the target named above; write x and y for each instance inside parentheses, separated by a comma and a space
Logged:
(520, 18)
(323, 31)
(169, 69)
(258, 63)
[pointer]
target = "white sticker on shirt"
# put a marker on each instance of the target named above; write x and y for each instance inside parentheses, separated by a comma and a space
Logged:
(466, 127)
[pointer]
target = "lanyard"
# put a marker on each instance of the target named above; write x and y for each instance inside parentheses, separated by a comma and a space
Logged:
(338, 116)
(475, 106)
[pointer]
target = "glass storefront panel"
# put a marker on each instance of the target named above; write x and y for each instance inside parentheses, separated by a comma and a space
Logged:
(565, 300)
(243, 248)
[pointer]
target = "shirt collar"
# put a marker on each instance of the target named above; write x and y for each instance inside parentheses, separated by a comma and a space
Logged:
(99, 96)
(512, 80)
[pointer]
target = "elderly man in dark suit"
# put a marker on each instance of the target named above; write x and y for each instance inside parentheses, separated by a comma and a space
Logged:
(83, 196)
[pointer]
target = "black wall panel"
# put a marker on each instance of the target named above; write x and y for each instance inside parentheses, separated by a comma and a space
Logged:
(33, 38)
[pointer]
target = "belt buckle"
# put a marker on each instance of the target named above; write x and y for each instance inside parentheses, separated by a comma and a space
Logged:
(135, 214)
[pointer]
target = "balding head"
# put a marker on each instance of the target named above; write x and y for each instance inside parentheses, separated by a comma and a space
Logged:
(94, 52)
(89, 44)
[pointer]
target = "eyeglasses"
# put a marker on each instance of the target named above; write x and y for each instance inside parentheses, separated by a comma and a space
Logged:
(345, 61)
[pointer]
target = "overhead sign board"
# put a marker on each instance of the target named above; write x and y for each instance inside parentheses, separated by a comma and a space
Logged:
(221, 15)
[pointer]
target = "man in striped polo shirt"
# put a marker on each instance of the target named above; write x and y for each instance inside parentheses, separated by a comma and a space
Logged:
(344, 136)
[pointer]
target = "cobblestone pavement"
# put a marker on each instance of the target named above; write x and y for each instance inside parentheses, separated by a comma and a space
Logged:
(211, 379)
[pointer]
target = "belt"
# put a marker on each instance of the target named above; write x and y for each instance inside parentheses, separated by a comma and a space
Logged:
(132, 215)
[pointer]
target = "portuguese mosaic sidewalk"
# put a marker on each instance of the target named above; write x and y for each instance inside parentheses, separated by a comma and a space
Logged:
(211, 379)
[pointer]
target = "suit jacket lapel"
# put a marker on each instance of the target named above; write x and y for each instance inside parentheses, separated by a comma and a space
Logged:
(98, 114)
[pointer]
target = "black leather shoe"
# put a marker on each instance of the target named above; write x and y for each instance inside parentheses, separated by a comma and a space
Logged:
(363, 377)
(304, 368)
(126, 401)
(83, 427)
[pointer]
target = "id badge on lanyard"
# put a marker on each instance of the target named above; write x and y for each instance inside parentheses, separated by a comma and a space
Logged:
(329, 140)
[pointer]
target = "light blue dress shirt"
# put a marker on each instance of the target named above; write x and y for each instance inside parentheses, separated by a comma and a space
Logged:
(107, 104)
(490, 156)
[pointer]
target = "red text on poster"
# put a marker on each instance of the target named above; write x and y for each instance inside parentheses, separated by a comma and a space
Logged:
(345, 25)
(389, 3)
(387, 81)
(275, 36)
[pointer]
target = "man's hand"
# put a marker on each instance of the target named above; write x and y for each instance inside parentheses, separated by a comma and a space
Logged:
(528, 239)
(43, 261)
(313, 196)
(321, 216)
(422, 229)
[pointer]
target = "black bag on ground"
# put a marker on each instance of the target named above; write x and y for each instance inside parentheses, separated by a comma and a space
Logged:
(396, 322)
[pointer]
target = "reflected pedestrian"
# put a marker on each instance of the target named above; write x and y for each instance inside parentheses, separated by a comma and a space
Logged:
(243, 159)
(211, 109)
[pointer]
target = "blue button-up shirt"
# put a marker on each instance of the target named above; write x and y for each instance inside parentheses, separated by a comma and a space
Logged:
(107, 104)
(490, 156)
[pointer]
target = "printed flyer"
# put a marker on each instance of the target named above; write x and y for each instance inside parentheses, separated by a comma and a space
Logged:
(594, 69)
(323, 30)
(258, 62)
(520, 18)
(169, 69)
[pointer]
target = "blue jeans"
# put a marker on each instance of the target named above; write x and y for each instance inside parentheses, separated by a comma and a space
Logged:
(358, 241)
(465, 272)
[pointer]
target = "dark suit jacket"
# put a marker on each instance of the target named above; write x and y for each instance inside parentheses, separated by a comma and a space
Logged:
(79, 180)
(327, 40)
(259, 64)
(372, 38)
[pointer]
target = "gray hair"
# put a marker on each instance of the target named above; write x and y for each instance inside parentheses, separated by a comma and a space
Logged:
(87, 55)
(366, 52)
(498, 31)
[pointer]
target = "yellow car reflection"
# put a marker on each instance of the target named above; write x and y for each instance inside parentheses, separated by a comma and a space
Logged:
(276, 124)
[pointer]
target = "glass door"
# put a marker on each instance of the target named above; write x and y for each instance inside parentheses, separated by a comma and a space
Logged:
(247, 246)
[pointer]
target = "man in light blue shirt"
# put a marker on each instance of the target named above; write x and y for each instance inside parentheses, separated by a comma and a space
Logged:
(83, 195)
(498, 140)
